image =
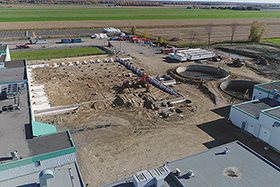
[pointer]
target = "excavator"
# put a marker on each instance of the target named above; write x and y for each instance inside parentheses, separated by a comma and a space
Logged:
(238, 63)
(143, 81)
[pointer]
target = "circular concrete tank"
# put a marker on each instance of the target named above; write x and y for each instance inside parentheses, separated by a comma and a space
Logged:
(202, 72)
(240, 89)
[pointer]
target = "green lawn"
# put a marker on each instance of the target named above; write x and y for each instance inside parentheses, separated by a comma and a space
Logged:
(59, 53)
(79, 14)
(276, 40)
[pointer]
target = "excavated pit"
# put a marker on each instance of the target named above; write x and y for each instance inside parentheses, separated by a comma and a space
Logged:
(202, 72)
(240, 89)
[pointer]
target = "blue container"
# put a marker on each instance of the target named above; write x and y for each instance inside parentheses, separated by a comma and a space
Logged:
(65, 41)
(76, 40)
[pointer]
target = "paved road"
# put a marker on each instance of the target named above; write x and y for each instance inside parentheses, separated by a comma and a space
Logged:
(50, 33)
(55, 44)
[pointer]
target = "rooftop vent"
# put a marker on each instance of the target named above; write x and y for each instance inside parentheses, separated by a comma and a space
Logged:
(190, 174)
(177, 172)
(226, 150)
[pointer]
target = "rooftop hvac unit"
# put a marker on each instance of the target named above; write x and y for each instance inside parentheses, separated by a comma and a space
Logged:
(44, 176)
(14, 154)
(154, 177)
(275, 94)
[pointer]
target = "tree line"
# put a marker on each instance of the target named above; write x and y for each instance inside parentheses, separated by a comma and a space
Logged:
(257, 32)
(203, 5)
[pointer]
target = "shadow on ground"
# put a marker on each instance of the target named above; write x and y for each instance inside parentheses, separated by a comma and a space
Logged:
(223, 111)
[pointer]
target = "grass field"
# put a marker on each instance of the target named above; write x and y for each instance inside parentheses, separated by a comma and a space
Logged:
(82, 14)
(59, 53)
(276, 40)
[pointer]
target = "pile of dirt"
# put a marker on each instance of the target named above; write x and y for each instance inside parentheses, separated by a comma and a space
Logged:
(128, 100)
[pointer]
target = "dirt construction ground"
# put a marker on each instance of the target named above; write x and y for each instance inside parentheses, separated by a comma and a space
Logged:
(115, 140)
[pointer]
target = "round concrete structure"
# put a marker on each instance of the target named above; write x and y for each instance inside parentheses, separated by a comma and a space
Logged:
(202, 72)
(240, 89)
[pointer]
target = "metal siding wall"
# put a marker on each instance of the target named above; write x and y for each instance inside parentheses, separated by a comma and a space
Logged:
(237, 117)
(267, 122)
(258, 94)
(33, 167)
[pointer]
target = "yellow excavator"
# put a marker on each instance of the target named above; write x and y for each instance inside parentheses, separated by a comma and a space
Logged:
(238, 63)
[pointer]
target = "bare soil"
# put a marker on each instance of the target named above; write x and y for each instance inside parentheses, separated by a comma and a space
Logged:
(114, 141)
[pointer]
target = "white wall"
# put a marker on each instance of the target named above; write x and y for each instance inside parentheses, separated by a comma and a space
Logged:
(237, 117)
(267, 122)
(258, 94)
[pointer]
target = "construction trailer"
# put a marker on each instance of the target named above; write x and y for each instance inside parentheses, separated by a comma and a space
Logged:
(260, 116)
(186, 54)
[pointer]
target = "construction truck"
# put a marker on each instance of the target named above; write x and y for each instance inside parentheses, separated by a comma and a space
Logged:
(22, 46)
(238, 63)
(217, 58)
(36, 40)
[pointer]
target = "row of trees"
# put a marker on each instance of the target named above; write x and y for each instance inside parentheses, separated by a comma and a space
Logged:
(208, 5)
(257, 32)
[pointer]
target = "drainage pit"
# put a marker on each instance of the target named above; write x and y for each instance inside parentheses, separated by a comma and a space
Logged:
(202, 72)
(240, 89)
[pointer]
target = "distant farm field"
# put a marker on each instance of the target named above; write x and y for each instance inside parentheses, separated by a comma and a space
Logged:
(59, 53)
(276, 40)
(85, 14)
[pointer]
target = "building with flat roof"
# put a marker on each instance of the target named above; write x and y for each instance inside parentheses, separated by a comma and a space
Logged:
(232, 164)
(261, 116)
(31, 153)
(269, 89)
(4, 53)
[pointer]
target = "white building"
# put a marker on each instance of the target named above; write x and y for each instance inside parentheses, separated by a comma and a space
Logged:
(261, 116)
(190, 54)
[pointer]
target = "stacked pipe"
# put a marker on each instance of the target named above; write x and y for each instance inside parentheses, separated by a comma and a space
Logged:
(154, 82)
